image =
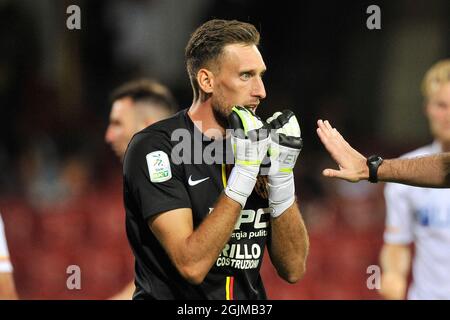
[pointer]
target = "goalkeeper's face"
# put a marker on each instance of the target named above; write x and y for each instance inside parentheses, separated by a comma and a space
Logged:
(238, 79)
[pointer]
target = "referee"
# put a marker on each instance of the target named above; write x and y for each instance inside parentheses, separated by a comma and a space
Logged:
(198, 228)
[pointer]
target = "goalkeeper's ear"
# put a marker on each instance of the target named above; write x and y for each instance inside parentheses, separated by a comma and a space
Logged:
(205, 80)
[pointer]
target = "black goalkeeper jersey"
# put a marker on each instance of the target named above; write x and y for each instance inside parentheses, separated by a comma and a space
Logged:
(157, 180)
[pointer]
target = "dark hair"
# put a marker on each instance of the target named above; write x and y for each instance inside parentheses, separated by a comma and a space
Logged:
(207, 42)
(146, 91)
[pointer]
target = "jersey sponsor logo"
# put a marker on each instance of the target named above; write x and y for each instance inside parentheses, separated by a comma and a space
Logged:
(254, 217)
(195, 182)
(240, 256)
(158, 166)
(245, 255)
(432, 216)
(259, 219)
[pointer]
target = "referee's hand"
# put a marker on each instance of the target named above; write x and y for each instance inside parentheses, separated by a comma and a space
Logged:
(352, 164)
(250, 141)
(285, 146)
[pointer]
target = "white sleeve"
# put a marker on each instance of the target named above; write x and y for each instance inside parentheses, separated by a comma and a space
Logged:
(399, 214)
(5, 263)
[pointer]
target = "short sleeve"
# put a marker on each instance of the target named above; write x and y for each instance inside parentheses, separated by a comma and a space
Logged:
(399, 214)
(152, 182)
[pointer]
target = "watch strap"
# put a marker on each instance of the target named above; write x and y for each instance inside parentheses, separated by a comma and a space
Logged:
(373, 162)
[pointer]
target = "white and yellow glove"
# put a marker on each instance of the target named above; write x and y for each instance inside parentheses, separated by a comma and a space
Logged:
(285, 146)
(250, 141)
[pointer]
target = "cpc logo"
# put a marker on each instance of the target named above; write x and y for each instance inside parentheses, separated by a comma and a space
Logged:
(256, 218)
(252, 216)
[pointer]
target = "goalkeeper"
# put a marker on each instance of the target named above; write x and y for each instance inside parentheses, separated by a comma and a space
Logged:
(196, 231)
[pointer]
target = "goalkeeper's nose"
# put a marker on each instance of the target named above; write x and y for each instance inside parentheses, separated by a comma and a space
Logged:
(258, 89)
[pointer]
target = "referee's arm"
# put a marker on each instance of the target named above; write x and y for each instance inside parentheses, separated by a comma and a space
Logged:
(431, 171)
(427, 171)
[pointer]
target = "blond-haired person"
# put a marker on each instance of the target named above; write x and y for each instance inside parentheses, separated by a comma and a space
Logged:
(421, 216)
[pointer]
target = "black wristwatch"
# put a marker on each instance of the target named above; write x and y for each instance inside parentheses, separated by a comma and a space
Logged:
(373, 162)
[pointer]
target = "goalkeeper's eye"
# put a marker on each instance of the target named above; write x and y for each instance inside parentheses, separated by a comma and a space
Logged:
(245, 76)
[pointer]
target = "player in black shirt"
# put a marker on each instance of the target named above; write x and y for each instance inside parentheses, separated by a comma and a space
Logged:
(134, 106)
(197, 232)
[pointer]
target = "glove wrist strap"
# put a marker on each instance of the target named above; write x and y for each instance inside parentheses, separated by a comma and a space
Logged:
(240, 184)
(281, 194)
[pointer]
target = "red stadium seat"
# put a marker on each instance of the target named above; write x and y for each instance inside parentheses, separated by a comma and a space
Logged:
(62, 227)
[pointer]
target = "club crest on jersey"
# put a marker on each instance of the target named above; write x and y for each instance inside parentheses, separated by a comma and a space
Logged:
(158, 166)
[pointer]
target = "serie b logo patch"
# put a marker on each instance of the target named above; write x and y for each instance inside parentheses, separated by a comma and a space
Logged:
(158, 166)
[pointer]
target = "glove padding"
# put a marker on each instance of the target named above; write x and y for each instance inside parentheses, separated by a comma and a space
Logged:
(285, 146)
(250, 141)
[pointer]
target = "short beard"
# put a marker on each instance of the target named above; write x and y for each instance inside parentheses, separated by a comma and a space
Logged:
(221, 115)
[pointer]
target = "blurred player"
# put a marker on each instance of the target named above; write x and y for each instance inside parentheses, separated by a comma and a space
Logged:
(7, 287)
(421, 216)
(136, 105)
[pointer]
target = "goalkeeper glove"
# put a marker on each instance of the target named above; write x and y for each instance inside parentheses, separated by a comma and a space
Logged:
(285, 146)
(250, 141)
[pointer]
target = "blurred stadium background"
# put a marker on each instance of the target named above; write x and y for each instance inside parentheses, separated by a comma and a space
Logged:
(60, 184)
